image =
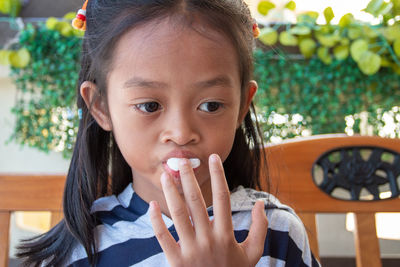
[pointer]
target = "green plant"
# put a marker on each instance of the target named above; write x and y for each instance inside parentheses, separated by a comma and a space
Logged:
(370, 46)
(311, 95)
(324, 95)
(46, 88)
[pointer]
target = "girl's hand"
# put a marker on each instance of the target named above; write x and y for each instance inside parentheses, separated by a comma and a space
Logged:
(206, 243)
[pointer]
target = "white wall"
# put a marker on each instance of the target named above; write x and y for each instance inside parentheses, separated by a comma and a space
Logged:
(13, 157)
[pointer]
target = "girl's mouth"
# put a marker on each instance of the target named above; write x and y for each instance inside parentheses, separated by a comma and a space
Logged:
(171, 166)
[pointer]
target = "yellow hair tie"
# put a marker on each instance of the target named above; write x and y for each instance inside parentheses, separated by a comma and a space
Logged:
(79, 22)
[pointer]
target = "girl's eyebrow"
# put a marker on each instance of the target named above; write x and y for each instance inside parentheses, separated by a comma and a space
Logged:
(142, 83)
(220, 81)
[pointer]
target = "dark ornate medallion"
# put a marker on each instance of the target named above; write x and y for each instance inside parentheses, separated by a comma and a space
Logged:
(353, 169)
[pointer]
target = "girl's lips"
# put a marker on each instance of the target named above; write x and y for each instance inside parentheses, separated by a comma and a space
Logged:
(170, 171)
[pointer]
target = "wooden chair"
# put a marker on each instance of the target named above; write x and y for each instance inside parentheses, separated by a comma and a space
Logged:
(27, 193)
(290, 168)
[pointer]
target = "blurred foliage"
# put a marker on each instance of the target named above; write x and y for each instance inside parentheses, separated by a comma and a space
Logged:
(45, 109)
(322, 94)
(10, 7)
(311, 94)
(370, 46)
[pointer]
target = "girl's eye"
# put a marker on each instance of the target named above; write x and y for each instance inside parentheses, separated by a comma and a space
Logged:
(210, 106)
(148, 107)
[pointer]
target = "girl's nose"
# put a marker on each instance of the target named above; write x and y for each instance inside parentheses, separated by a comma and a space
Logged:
(180, 128)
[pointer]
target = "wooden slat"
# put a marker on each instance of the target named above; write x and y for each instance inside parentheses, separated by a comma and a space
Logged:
(31, 193)
(290, 171)
(4, 237)
(309, 221)
(366, 241)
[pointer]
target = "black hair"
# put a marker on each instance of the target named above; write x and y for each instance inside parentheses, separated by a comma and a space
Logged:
(97, 166)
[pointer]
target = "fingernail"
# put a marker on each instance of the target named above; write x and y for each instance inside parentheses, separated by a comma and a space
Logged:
(214, 158)
(183, 162)
(153, 205)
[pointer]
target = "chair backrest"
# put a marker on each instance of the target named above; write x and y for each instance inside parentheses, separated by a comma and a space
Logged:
(290, 167)
(27, 193)
(357, 164)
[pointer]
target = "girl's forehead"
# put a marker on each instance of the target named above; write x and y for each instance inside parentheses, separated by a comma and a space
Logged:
(173, 54)
(169, 35)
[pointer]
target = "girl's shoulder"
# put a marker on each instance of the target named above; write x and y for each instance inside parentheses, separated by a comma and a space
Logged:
(243, 199)
(286, 232)
(281, 217)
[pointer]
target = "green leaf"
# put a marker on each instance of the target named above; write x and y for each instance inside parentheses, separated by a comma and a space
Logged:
(373, 6)
(287, 39)
(323, 54)
(341, 52)
(10, 7)
(346, 20)
(328, 14)
(396, 7)
(357, 48)
(344, 41)
(312, 14)
(5, 57)
(16, 8)
(291, 5)
(385, 8)
(354, 32)
(70, 15)
(264, 7)
(51, 23)
(307, 47)
(369, 62)
(324, 29)
(308, 17)
(66, 29)
(20, 58)
(5, 6)
(396, 47)
(327, 40)
(392, 32)
(385, 62)
(369, 32)
(378, 7)
(300, 30)
(268, 36)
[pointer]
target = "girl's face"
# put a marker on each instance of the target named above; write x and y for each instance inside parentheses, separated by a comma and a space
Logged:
(173, 92)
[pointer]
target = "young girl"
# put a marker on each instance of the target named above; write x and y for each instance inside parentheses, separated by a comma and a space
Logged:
(168, 146)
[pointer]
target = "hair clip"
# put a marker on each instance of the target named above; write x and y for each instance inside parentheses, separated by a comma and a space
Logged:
(256, 30)
(79, 113)
(79, 22)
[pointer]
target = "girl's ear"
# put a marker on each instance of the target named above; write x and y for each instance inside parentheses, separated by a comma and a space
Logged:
(96, 105)
(250, 92)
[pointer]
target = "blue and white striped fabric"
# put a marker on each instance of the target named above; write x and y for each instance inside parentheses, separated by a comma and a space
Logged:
(125, 236)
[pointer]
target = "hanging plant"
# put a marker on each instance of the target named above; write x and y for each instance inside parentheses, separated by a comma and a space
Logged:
(45, 107)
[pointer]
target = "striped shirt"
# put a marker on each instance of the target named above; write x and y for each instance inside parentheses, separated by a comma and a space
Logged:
(125, 236)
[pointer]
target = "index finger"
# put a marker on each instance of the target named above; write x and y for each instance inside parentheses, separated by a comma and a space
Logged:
(221, 196)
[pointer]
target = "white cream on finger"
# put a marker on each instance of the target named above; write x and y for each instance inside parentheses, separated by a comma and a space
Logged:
(173, 163)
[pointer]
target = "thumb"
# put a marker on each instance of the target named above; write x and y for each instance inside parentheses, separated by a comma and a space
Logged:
(254, 243)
